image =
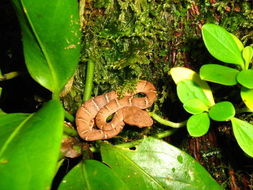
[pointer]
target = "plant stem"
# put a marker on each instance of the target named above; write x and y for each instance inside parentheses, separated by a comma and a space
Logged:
(8, 76)
(68, 116)
(70, 132)
(89, 80)
(166, 122)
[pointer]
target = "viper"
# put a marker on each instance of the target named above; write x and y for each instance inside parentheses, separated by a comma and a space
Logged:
(128, 109)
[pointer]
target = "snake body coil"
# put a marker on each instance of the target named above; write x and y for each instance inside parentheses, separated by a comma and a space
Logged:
(126, 110)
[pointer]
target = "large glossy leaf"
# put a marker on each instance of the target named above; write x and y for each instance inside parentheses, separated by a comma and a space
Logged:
(182, 73)
(51, 33)
(247, 97)
(221, 44)
(198, 125)
(92, 175)
(243, 132)
(219, 74)
(29, 147)
(157, 165)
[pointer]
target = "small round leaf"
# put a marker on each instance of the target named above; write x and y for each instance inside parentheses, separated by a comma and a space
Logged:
(195, 106)
(222, 111)
(245, 78)
(198, 125)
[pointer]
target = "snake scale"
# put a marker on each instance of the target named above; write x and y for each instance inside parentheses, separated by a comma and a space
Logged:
(126, 110)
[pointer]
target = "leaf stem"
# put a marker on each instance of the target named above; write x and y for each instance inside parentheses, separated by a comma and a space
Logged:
(166, 122)
(68, 116)
(89, 80)
(8, 76)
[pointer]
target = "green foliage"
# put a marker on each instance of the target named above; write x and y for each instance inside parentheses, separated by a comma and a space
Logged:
(198, 124)
(122, 40)
(92, 175)
(221, 44)
(247, 97)
(247, 54)
(243, 132)
(30, 145)
(154, 164)
(222, 111)
(219, 74)
(225, 47)
(195, 106)
(188, 90)
(245, 78)
(215, 37)
(51, 40)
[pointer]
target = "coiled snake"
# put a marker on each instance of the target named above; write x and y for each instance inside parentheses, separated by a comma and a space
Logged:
(126, 110)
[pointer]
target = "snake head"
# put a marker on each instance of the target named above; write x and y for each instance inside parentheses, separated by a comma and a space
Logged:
(137, 117)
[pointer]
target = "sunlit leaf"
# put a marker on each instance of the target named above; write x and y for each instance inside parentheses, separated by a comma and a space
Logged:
(188, 89)
(181, 73)
(221, 44)
(247, 54)
(245, 78)
(219, 74)
(195, 106)
(92, 175)
(51, 34)
(247, 97)
(238, 42)
(243, 132)
(29, 147)
(198, 125)
(157, 165)
(222, 111)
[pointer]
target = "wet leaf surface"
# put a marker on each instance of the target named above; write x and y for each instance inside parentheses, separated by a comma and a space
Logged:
(157, 165)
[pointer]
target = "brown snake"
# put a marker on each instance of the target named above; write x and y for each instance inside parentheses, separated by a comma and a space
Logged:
(126, 110)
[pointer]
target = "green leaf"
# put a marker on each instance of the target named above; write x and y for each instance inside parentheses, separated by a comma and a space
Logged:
(221, 44)
(243, 132)
(198, 125)
(195, 106)
(238, 42)
(247, 54)
(182, 73)
(219, 74)
(92, 175)
(222, 111)
(247, 97)
(245, 78)
(157, 165)
(188, 89)
(51, 35)
(30, 145)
